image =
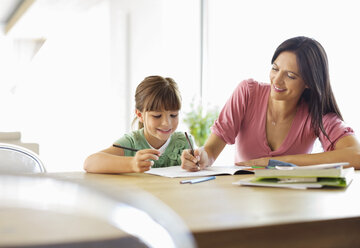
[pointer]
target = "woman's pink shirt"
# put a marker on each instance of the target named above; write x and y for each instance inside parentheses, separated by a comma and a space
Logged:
(242, 122)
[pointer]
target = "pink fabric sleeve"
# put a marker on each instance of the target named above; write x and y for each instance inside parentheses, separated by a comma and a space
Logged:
(335, 129)
(230, 118)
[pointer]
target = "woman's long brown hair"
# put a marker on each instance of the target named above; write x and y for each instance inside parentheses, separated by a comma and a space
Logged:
(314, 70)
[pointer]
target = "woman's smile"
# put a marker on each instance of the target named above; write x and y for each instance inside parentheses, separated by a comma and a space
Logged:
(278, 89)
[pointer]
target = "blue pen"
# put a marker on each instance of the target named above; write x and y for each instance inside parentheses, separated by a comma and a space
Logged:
(198, 180)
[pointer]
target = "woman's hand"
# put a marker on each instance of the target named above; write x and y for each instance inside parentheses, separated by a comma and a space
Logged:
(255, 162)
(199, 161)
(143, 160)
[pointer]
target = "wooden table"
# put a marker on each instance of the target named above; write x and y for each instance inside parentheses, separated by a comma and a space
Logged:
(221, 214)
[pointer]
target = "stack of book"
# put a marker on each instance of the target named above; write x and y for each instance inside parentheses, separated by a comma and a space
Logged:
(302, 177)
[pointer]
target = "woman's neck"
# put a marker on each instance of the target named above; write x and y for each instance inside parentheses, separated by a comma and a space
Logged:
(280, 111)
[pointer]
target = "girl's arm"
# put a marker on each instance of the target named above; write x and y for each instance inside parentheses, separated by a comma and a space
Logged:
(347, 149)
(112, 160)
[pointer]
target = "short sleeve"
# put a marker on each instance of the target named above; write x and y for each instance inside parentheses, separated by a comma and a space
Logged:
(230, 118)
(335, 129)
(126, 141)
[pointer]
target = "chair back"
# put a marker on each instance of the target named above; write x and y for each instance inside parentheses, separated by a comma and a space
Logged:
(43, 211)
(17, 159)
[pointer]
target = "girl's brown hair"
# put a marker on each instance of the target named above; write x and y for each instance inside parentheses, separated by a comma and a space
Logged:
(156, 93)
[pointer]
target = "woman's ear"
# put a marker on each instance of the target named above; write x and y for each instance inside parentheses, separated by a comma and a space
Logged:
(139, 115)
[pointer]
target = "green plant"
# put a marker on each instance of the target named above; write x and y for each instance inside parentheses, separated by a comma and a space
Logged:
(199, 122)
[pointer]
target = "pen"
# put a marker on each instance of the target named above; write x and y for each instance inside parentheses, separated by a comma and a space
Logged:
(127, 148)
(191, 148)
(198, 180)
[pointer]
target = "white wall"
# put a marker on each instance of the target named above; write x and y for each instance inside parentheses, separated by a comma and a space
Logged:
(75, 96)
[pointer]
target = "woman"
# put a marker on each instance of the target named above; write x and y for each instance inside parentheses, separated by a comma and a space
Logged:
(283, 119)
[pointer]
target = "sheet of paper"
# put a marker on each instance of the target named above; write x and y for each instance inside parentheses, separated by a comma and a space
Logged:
(320, 166)
(176, 171)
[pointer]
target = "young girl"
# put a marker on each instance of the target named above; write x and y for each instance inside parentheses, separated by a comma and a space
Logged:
(157, 105)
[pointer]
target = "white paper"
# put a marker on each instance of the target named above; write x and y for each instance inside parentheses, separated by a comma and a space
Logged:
(320, 166)
(177, 171)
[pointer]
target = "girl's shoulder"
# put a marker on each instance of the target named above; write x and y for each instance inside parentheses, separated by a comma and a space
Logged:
(136, 135)
(133, 139)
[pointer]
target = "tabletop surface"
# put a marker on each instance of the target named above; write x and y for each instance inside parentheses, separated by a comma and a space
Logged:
(220, 205)
(217, 212)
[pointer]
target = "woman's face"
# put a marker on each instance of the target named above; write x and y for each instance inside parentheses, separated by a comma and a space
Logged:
(286, 82)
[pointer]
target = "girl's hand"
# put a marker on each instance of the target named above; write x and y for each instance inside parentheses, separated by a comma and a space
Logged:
(143, 160)
(197, 162)
(255, 162)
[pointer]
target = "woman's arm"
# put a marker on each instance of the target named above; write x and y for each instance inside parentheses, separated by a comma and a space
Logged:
(213, 147)
(112, 160)
(347, 149)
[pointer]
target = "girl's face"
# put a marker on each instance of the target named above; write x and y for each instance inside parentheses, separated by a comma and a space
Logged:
(158, 125)
(286, 82)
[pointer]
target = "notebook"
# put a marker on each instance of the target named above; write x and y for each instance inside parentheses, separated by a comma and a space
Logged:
(320, 170)
(177, 171)
(317, 176)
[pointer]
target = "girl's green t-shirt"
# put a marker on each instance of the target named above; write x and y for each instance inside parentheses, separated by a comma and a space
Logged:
(171, 155)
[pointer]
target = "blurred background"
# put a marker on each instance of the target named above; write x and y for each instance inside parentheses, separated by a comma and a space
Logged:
(69, 68)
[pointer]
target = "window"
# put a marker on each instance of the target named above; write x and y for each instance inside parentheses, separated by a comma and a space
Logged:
(242, 36)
